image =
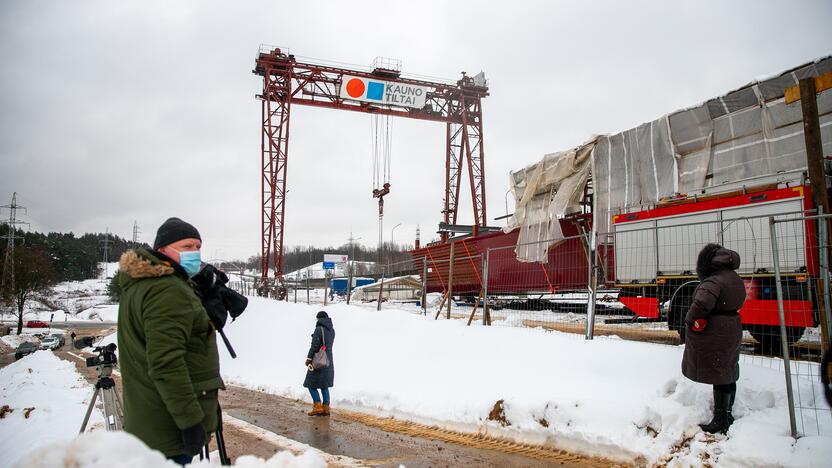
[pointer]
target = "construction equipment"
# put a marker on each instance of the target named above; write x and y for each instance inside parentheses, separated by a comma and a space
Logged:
(380, 91)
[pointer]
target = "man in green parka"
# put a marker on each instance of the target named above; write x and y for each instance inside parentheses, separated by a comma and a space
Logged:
(167, 346)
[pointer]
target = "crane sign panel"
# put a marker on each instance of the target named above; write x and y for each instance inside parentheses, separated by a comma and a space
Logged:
(383, 92)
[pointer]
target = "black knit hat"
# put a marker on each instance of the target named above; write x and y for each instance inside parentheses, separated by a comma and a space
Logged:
(172, 230)
(321, 314)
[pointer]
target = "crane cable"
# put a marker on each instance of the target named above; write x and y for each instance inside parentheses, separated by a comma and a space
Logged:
(382, 136)
(382, 149)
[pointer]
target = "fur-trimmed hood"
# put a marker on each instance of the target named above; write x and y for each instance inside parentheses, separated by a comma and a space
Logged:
(138, 264)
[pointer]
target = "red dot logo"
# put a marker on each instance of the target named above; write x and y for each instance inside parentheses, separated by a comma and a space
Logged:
(355, 88)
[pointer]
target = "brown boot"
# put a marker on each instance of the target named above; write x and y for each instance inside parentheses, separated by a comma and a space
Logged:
(317, 409)
(325, 410)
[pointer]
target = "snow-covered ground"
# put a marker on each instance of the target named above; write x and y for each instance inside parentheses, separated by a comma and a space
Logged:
(608, 397)
(119, 449)
(86, 300)
(58, 395)
(48, 399)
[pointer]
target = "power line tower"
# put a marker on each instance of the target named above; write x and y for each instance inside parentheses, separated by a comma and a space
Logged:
(105, 244)
(7, 284)
(136, 232)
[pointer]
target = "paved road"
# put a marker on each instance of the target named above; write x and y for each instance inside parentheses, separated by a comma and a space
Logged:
(343, 435)
(70, 324)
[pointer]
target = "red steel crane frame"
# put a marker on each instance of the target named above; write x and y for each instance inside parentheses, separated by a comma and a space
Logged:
(288, 82)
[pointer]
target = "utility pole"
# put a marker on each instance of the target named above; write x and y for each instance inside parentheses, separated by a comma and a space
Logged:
(392, 244)
(136, 232)
(351, 265)
(106, 246)
(7, 284)
(817, 178)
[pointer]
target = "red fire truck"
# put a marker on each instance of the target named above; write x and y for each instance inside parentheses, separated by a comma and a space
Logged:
(656, 250)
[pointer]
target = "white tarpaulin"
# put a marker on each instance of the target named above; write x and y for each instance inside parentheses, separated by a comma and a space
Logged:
(746, 134)
(743, 135)
(544, 192)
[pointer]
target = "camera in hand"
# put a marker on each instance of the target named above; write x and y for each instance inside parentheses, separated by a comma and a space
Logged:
(219, 300)
(106, 355)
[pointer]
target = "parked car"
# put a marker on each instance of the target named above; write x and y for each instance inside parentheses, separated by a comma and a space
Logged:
(36, 324)
(25, 348)
(50, 342)
(60, 337)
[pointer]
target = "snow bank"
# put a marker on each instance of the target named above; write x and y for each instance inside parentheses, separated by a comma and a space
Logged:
(58, 395)
(605, 397)
(119, 449)
(13, 341)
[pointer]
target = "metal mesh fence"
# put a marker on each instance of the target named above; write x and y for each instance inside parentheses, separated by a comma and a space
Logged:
(655, 272)
(552, 295)
(807, 291)
(639, 284)
(454, 285)
(397, 283)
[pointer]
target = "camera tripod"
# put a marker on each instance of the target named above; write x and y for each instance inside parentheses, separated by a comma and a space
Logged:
(105, 386)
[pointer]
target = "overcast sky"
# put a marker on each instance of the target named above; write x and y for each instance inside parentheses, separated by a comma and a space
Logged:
(115, 112)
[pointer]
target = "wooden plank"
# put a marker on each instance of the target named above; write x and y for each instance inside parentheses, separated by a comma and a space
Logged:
(441, 303)
(474, 310)
(822, 83)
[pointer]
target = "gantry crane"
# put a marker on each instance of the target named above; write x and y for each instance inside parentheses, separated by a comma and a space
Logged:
(288, 81)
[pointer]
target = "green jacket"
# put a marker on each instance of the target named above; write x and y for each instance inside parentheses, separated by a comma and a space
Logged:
(167, 353)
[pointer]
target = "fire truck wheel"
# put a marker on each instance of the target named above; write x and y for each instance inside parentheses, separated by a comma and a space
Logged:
(679, 305)
(676, 319)
(769, 337)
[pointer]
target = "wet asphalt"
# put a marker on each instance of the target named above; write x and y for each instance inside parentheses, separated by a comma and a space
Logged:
(339, 435)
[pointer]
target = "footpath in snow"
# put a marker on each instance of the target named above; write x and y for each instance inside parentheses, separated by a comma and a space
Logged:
(607, 397)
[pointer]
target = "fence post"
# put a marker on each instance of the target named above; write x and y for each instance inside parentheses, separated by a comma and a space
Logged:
(307, 286)
(450, 297)
(784, 342)
(380, 288)
(296, 288)
(349, 280)
(486, 313)
(425, 285)
(823, 248)
(326, 285)
(593, 285)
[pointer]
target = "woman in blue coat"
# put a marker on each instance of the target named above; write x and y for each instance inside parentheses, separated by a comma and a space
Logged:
(324, 378)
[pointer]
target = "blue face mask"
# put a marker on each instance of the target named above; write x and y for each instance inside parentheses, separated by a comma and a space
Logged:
(191, 262)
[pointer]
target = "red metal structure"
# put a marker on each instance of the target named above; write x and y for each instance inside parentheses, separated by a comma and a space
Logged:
(288, 82)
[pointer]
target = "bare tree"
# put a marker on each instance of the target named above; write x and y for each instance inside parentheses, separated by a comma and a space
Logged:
(33, 273)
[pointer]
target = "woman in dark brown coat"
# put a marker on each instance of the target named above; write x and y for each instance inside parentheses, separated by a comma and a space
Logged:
(714, 332)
